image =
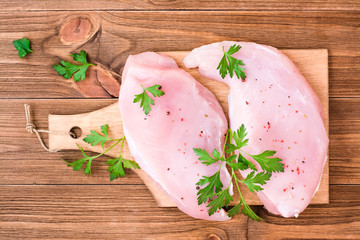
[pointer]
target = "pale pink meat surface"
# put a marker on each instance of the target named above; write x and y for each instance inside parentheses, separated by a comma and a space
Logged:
(280, 112)
(188, 116)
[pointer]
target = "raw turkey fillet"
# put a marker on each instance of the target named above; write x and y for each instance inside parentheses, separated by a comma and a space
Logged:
(281, 112)
(188, 116)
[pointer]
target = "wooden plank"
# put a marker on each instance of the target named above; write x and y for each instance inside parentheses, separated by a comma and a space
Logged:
(23, 161)
(103, 212)
(115, 35)
(180, 5)
(344, 141)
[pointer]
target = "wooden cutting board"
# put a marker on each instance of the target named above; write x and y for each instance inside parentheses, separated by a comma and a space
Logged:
(313, 64)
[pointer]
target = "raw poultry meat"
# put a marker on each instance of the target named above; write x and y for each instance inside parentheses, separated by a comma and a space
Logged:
(188, 116)
(281, 112)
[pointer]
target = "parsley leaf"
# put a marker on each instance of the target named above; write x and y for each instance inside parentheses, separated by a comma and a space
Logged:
(204, 156)
(117, 166)
(130, 164)
(144, 98)
(77, 164)
(228, 64)
(214, 185)
(239, 137)
(23, 47)
(249, 212)
(246, 210)
(94, 138)
(68, 69)
(267, 163)
(247, 163)
(254, 182)
(234, 210)
(222, 199)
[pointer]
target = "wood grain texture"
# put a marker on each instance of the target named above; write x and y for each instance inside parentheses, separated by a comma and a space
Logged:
(301, 5)
(80, 207)
(104, 212)
(115, 35)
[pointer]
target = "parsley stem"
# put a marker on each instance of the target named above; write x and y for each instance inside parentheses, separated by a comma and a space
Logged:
(122, 145)
(226, 138)
(118, 140)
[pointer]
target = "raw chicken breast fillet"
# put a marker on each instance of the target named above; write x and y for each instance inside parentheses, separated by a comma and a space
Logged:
(188, 116)
(280, 112)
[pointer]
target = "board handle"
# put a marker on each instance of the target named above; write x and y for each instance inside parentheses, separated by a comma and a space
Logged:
(81, 124)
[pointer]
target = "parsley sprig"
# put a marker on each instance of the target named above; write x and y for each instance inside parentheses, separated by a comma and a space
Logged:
(68, 69)
(23, 47)
(228, 64)
(214, 194)
(144, 98)
(116, 165)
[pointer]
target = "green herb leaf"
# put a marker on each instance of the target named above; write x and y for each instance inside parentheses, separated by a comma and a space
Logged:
(67, 69)
(105, 129)
(23, 47)
(243, 160)
(238, 166)
(234, 210)
(254, 182)
(116, 168)
(268, 163)
(130, 164)
(231, 148)
(204, 156)
(228, 64)
(155, 90)
(214, 186)
(77, 164)
(144, 98)
(249, 212)
(222, 199)
(94, 138)
(239, 137)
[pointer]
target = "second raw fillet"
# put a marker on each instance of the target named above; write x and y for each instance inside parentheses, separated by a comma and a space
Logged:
(281, 112)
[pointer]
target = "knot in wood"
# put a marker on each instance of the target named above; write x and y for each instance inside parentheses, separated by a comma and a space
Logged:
(75, 30)
(213, 237)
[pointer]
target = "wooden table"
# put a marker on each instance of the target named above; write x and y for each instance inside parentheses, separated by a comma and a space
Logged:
(41, 198)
